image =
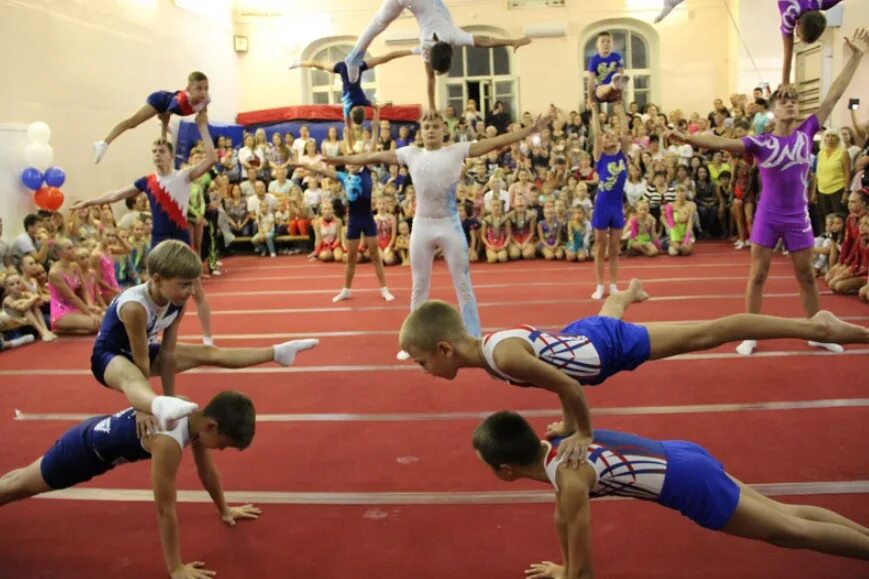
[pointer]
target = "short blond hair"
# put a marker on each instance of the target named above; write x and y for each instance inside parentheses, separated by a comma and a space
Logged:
(433, 322)
(173, 259)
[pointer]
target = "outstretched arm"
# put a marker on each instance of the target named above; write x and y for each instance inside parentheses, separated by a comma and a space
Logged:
(385, 157)
(788, 44)
(858, 45)
(480, 148)
(625, 137)
(489, 42)
(317, 64)
(378, 60)
(110, 197)
(860, 131)
(166, 456)
(713, 142)
(327, 171)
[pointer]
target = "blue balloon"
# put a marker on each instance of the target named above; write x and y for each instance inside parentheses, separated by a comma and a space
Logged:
(54, 177)
(32, 178)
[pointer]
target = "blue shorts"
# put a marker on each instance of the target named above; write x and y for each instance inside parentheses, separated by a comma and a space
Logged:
(361, 224)
(100, 360)
(182, 236)
(161, 100)
(608, 215)
(620, 345)
(697, 486)
(72, 459)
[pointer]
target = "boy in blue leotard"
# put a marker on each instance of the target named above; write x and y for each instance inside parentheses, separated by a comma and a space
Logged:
(589, 350)
(676, 474)
(98, 444)
(606, 78)
(352, 95)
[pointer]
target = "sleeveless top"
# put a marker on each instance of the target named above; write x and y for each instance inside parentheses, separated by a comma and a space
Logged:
(575, 356)
(112, 336)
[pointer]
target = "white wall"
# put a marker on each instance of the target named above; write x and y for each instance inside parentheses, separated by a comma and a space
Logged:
(83, 65)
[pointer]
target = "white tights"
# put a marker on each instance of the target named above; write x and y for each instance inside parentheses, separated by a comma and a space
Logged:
(428, 234)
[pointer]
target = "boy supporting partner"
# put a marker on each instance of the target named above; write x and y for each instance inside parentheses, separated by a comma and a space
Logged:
(589, 350)
(126, 352)
(679, 475)
(96, 445)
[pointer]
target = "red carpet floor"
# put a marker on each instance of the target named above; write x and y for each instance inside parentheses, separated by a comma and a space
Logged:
(354, 371)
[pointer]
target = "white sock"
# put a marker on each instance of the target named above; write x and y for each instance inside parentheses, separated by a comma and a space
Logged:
(402, 355)
(207, 340)
(384, 291)
(100, 149)
(614, 289)
(344, 295)
(20, 341)
(285, 354)
(598, 292)
(167, 409)
(835, 348)
(746, 347)
(668, 7)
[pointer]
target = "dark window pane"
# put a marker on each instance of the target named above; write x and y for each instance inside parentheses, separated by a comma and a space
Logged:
(455, 91)
(590, 50)
(320, 98)
(501, 58)
(478, 61)
(457, 67)
(639, 53)
(641, 82)
(369, 75)
(642, 98)
(620, 44)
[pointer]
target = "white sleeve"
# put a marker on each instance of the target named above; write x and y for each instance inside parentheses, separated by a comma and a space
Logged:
(405, 155)
(462, 38)
(461, 151)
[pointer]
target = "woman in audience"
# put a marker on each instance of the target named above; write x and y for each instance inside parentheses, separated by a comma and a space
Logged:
(250, 156)
(833, 176)
(636, 186)
(81, 224)
(279, 155)
(237, 215)
(331, 145)
(71, 310)
(709, 206)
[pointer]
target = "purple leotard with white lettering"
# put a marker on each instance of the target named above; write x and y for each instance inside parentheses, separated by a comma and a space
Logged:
(791, 10)
(783, 210)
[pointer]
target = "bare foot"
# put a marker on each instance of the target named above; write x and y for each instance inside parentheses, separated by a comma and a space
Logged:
(49, 337)
(520, 43)
(635, 289)
(839, 332)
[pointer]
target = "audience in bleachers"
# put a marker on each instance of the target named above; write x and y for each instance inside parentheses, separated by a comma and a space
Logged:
(531, 200)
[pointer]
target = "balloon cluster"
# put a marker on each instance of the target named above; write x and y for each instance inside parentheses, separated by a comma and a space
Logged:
(39, 155)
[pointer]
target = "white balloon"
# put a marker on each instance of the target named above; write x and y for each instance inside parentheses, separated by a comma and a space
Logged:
(39, 155)
(39, 133)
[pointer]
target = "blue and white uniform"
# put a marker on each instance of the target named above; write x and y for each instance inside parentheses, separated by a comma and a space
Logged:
(176, 103)
(436, 224)
(589, 350)
(679, 475)
(359, 217)
(99, 444)
(169, 198)
(112, 339)
(352, 94)
(609, 212)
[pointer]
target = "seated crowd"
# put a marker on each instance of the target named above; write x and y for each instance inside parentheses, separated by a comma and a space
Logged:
(532, 200)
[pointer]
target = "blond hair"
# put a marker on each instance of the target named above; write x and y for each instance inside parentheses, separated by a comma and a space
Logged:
(431, 115)
(173, 259)
(433, 322)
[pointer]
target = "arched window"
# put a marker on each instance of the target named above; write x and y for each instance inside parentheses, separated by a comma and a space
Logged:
(482, 74)
(325, 86)
(634, 48)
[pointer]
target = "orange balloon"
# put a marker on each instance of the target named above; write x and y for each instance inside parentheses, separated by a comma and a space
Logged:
(40, 197)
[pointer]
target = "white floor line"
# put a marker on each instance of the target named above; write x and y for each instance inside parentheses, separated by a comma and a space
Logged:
(361, 272)
(413, 367)
(481, 305)
(572, 284)
(415, 498)
(545, 413)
